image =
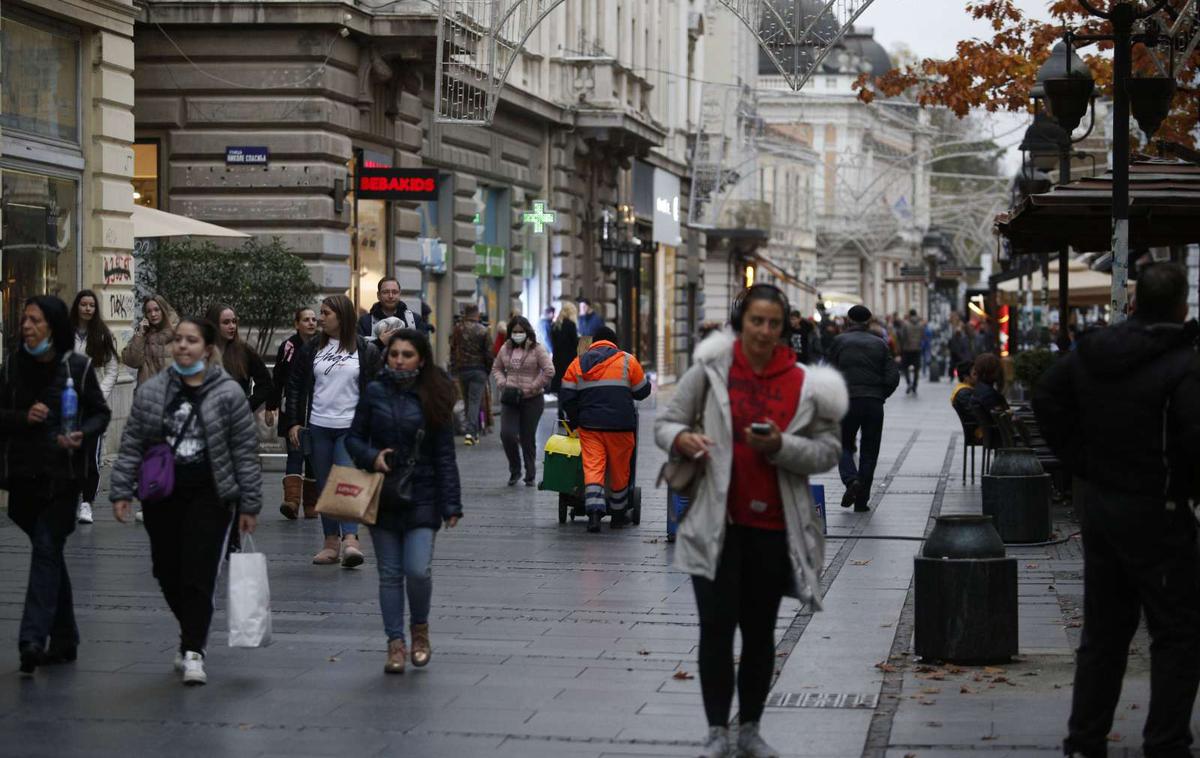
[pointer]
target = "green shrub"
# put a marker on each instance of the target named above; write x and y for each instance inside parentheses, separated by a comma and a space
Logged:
(1029, 365)
(263, 281)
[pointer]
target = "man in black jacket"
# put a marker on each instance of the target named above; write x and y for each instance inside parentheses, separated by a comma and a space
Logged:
(872, 376)
(1123, 412)
(389, 305)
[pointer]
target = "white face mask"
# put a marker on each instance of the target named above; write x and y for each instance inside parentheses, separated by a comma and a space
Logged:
(518, 338)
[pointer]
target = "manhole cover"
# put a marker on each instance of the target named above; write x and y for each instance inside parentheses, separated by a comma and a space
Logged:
(822, 700)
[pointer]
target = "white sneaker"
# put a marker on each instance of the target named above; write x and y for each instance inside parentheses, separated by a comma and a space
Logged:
(84, 516)
(750, 743)
(717, 744)
(139, 517)
(193, 669)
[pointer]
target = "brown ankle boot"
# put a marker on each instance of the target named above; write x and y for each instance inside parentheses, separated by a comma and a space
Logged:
(293, 485)
(329, 552)
(310, 496)
(395, 659)
(420, 645)
(351, 554)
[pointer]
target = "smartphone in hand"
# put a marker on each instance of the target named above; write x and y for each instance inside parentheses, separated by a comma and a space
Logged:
(760, 428)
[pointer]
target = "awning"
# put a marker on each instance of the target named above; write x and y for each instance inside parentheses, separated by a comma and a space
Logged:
(149, 222)
(782, 275)
(1164, 209)
(1084, 286)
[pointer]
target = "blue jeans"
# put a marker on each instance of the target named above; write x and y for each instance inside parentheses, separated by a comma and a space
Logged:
(47, 516)
(403, 555)
(329, 449)
(296, 464)
(865, 416)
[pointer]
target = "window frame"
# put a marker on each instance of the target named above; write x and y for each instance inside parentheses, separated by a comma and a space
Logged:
(75, 34)
(8, 163)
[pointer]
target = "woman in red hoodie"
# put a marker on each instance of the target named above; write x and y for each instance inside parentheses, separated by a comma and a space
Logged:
(751, 534)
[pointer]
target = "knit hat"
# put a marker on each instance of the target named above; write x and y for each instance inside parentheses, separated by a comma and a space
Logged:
(859, 314)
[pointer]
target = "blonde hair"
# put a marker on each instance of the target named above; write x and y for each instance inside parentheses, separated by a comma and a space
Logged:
(567, 311)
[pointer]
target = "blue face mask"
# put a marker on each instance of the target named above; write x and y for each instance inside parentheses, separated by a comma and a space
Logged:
(38, 350)
(191, 370)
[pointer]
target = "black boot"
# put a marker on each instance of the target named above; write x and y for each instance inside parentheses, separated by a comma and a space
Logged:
(594, 521)
(620, 520)
(31, 657)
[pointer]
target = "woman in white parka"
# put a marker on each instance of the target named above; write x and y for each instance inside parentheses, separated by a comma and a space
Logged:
(751, 534)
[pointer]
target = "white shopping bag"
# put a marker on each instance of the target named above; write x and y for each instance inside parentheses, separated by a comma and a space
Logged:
(249, 598)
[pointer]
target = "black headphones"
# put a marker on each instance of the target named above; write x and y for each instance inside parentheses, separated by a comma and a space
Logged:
(771, 293)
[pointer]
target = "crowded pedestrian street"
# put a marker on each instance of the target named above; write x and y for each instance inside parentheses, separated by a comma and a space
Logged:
(549, 641)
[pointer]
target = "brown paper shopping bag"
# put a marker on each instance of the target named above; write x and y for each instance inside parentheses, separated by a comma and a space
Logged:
(351, 494)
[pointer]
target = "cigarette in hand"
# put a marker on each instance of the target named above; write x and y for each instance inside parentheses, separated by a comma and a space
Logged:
(699, 454)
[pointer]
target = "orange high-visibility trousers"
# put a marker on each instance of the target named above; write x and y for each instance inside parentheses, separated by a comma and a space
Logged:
(606, 456)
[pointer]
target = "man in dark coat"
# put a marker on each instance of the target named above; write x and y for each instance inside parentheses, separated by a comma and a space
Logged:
(388, 305)
(872, 376)
(1123, 413)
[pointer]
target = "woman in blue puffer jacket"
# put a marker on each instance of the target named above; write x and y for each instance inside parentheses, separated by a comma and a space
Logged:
(410, 398)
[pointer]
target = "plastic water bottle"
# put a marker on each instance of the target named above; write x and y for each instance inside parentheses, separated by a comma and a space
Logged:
(70, 408)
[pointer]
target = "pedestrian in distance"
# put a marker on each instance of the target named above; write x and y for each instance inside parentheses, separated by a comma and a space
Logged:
(45, 467)
(93, 339)
(388, 305)
(241, 361)
(328, 376)
(751, 534)
(470, 361)
(805, 341)
(564, 343)
(987, 391)
(911, 335)
(522, 371)
(406, 415)
(149, 350)
(1122, 411)
(589, 320)
(197, 409)
(299, 484)
(597, 395)
(872, 376)
(545, 324)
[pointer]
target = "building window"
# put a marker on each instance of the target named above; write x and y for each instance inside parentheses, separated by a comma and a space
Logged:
(145, 174)
(39, 248)
(41, 80)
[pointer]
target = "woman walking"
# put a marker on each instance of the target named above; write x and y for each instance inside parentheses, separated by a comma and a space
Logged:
(239, 360)
(197, 409)
(522, 370)
(45, 467)
(299, 486)
(149, 350)
(751, 534)
(326, 380)
(406, 415)
(564, 342)
(93, 339)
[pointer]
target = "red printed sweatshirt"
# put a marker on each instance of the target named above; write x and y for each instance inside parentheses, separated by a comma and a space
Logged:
(754, 496)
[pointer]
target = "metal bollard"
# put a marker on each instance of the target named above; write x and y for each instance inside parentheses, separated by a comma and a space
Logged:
(965, 594)
(1016, 494)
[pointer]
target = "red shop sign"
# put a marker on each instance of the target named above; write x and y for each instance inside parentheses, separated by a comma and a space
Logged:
(397, 184)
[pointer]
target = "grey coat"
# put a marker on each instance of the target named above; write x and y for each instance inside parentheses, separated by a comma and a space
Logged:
(229, 433)
(811, 445)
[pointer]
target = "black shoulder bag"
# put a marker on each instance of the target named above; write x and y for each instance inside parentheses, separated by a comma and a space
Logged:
(397, 491)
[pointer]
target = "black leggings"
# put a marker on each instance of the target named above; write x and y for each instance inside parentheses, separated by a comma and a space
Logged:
(752, 577)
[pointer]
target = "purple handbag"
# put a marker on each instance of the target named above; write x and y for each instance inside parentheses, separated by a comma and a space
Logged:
(156, 478)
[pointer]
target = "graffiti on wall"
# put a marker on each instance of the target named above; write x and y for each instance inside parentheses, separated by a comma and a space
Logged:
(118, 268)
(117, 306)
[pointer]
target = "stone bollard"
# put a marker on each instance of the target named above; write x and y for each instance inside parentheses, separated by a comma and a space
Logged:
(1016, 494)
(965, 594)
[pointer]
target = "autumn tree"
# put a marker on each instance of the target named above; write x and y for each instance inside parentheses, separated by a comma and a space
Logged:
(997, 73)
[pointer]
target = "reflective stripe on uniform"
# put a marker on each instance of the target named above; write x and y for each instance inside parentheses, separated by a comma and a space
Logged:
(589, 383)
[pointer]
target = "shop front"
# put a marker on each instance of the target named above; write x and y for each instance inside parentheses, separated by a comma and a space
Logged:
(42, 166)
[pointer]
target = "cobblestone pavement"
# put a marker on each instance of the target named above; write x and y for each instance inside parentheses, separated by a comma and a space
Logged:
(552, 642)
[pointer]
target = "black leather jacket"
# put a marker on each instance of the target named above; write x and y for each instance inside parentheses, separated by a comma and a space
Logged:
(866, 363)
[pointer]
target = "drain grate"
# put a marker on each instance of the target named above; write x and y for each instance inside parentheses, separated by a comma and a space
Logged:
(822, 700)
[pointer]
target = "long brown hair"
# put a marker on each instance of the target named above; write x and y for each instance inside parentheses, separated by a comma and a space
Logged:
(235, 353)
(347, 323)
(101, 347)
(433, 386)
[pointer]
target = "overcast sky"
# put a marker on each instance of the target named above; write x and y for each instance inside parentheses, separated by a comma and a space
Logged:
(931, 28)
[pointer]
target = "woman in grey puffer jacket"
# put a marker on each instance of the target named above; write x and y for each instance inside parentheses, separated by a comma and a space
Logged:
(202, 413)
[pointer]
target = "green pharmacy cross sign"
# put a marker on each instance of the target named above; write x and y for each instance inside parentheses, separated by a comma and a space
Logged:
(539, 217)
